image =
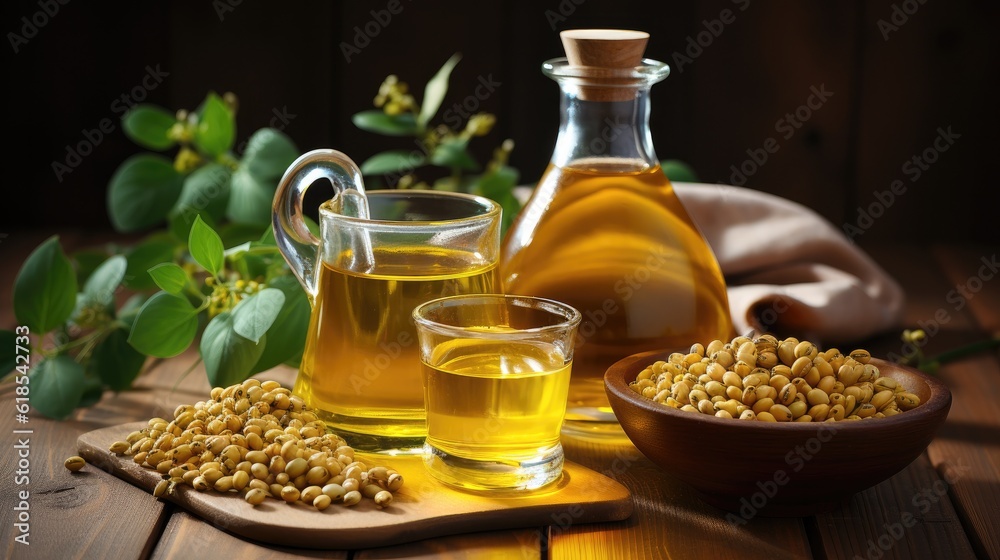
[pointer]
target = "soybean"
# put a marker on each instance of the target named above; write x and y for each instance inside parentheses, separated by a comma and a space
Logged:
(74, 463)
(256, 438)
(764, 379)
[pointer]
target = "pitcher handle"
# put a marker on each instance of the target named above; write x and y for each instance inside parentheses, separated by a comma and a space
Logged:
(298, 245)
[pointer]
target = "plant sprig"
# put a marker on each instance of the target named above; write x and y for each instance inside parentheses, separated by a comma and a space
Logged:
(931, 364)
(205, 178)
(240, 315)
(88, 338)
(216, 266)
(398, 114)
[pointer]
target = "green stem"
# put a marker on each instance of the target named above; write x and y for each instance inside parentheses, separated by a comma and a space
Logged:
(185, 374)
(89, 347)
(228, 160)
(191, 289)
(974, 348)
(83, 340)
(263, 250)
(204, 304)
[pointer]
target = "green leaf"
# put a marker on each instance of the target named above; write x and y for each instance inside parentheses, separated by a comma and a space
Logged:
(151, 252)
(142, 191)
(312, 226)
(228, 356)
(130, 309)
(269, 153)
(251, 199)
(453, 153)
(9, 361)
(165, 326)
(116, 362)
(148, 125)
(216, 129)
(56, 386)
(498, 183)
(381, 123)
(268, 237)
(677, 170)
(435, 90)
(249, 265)
(103, 283)
(180, 222)
(499, 186)
(392, 161)
(234, 234)
(287, 336)
(205, 193)
(87, 262)
(255, 314)
(447, 184)
(92, 390)
(45, 288)
(206, 247)
(170, 277)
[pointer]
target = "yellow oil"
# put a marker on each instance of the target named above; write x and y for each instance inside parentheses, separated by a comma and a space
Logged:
(361, 366)
(499, 404)
(611, 238)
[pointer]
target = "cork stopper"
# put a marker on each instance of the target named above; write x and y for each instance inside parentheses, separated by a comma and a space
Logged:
(604, 49)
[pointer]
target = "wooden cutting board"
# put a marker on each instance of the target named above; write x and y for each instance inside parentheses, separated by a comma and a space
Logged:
(422, 509)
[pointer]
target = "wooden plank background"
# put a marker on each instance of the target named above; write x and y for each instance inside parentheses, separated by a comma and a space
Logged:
(891, 93)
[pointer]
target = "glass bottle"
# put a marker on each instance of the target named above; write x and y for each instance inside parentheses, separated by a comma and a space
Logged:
(604, 230)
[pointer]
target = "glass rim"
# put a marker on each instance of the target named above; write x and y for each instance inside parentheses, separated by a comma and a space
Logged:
(570, 317)
(648, 72)
(491, 209)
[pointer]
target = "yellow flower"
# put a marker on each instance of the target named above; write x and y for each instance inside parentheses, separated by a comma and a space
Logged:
(480, 124)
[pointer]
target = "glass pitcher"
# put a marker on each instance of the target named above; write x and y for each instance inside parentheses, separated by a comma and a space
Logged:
(379, 255)
(605, 232)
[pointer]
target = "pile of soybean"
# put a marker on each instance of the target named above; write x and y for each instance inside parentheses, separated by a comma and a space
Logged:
(259, 439)
(773, 380)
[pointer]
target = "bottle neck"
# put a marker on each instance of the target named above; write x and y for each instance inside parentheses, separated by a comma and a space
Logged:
(603, 134)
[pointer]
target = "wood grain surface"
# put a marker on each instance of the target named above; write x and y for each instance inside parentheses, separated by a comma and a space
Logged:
(423, 508)
(94, 515)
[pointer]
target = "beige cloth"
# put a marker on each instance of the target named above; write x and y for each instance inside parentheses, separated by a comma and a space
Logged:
(789, 271)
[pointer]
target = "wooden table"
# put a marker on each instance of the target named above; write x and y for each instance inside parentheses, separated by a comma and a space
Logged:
(952, 490)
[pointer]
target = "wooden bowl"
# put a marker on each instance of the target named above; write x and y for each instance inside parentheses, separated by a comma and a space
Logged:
(776, 469)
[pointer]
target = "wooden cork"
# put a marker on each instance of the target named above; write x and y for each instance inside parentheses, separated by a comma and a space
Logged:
(606, 49)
